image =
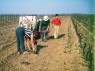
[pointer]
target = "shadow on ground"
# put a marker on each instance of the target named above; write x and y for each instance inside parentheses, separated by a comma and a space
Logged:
(39, 47)
(60, 36)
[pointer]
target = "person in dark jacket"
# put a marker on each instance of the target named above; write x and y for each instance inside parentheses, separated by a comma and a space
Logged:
(44, 28)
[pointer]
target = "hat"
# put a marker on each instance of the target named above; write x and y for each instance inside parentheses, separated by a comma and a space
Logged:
(45, 18)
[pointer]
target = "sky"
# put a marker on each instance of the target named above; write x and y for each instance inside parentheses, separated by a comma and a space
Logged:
(46, 6)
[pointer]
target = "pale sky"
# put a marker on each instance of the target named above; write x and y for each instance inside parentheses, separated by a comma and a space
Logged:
(46, 6)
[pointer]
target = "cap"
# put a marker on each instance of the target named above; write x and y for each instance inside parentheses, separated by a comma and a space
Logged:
(45, 18)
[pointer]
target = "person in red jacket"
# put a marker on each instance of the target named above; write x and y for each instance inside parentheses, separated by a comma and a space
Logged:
(56, 21)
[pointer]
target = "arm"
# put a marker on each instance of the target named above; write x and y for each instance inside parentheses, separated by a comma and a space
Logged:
(47, 28)
(40, 27)
(60, 21)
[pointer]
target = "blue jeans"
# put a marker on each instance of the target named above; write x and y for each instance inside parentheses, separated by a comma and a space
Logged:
(20, 39)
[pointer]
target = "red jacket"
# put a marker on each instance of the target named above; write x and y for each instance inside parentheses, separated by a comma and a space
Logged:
(56, 21)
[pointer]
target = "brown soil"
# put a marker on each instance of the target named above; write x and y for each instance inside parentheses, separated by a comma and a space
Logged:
(62, 54)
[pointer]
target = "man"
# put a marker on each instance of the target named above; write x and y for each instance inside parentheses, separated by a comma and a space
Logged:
(56, 23)
(20, 32)
(44, 27)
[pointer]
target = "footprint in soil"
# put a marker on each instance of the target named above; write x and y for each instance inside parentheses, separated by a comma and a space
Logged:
(26, 63)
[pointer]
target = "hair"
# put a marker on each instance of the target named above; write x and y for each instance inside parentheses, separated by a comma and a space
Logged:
(56, 15)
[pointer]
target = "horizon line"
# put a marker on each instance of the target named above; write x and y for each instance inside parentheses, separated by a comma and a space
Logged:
(49, 14)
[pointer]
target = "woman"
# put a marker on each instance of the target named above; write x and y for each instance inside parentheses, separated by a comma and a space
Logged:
(29, 38)
(20, 32)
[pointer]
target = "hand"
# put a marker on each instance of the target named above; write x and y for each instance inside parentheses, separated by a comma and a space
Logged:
(46, 30)
(39, 30)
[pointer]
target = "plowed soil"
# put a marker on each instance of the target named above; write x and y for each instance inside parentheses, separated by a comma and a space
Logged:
(62, 54)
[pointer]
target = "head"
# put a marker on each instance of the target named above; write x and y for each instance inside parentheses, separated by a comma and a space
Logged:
(46, 18)
(26, 24)
(56, 15)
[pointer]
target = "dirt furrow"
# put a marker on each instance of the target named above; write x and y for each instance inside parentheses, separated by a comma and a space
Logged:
(62, 54)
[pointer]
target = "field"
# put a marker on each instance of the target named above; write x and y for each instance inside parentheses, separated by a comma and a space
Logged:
(84, 25)
(72, 51)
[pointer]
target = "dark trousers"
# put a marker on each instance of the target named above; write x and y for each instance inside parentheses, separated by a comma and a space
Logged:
(43, 35)
(20, 39)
